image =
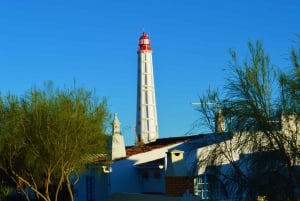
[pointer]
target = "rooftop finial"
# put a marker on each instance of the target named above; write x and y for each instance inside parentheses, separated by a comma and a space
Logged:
(116, 125)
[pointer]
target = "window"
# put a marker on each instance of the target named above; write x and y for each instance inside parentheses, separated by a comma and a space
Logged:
(201, 187)
(157, 174)
(145, 174)
(90, 188)
(209, 187)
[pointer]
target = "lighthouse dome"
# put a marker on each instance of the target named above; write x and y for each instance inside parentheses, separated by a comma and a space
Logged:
(144, 42)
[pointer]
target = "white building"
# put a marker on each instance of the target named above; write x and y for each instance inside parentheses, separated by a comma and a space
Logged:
(169, 169)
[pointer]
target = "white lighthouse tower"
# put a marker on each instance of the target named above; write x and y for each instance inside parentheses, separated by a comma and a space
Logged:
(146, 118)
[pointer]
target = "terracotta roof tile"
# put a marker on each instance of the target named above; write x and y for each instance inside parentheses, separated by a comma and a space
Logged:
(159, 143)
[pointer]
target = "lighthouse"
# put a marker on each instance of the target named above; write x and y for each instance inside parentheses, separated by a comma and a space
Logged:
(146, 117)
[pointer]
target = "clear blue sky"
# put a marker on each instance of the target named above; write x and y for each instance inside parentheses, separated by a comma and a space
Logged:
(95, 41)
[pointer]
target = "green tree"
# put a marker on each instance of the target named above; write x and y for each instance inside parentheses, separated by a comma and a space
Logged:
(46, 136)
(255, 114)
(5, 190)
(290, 85)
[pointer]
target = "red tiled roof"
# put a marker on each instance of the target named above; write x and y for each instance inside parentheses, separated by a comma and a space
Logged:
(159, 143)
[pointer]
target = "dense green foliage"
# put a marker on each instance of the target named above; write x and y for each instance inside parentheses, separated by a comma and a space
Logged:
(46, 135)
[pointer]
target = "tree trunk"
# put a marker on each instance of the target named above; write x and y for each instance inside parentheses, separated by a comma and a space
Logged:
(46, 185)
(58, 187)
(69, 188)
